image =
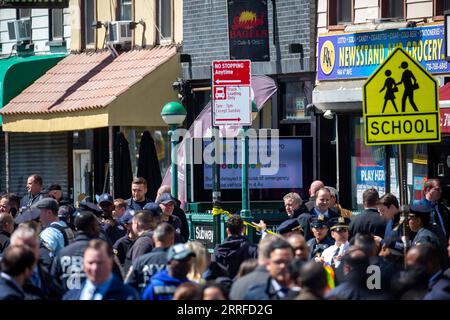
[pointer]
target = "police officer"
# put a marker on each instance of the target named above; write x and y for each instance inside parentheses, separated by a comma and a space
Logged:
(67, 267)
(143, 224)
(56, 233)
(164, 283)
(289, 227)
(121, 247)
(149, 264)
(339, 232)
(419, 220)
(321, 239)
(113, 230)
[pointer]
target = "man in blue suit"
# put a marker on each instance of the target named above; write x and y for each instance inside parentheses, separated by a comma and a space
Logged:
(17, 266)
(101, 283)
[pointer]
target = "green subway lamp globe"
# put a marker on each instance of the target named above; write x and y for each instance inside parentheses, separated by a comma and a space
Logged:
(173, 113)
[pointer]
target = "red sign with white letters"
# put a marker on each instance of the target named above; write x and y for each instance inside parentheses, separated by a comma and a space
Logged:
(231, 92)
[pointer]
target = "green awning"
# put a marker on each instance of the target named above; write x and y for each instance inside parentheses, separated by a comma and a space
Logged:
(17, 73)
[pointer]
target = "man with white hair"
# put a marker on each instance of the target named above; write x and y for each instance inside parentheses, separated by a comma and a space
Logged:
(40, 285)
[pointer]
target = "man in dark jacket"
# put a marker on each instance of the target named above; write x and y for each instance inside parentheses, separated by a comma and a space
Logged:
(321, 207)
(40, 285)
(67, 267)
(113, 230)
(101, 283)
(177, 211)
(167, 204)
(163, 284)
(315, 186)
(143, 224)
(440, 214)
(122, 245)
(257, 276)
(138, 191)
(17, 266)
(278, 284)
(236, 248)
(440, 286)
(6, 229)
(34, 188)
(370, 220)
(293, 204)
(426, 257)
(149, 264)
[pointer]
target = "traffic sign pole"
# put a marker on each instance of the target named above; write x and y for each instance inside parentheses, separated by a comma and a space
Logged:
(403, 194)
(216, 195)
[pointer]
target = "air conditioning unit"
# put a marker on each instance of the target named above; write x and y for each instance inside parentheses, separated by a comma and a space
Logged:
(19, 30)
(119, 32)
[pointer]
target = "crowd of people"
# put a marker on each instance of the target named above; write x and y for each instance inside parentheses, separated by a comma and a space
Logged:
(140, 249)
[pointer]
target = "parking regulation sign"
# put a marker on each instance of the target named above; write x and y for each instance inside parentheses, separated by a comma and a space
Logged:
(231, 92)
(400, 103)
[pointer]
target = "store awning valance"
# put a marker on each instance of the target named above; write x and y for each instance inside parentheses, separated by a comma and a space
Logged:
(17, 73)
(93, 90)
(339, 96)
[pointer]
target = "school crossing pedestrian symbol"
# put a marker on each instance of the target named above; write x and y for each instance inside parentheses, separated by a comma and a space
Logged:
(400, 103)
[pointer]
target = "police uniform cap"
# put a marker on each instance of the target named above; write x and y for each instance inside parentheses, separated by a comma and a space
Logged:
(127, 216)
(105, 198)
(289, 225)
(64, 212)
(418, 210)
(153, 207)
(319, 222)
(337, 223)
(179, 251)
(89, 206)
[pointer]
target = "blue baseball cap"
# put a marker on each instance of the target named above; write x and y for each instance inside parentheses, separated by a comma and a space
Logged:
(153, 207)
(105, 198)
(165, 198)
(127, 216)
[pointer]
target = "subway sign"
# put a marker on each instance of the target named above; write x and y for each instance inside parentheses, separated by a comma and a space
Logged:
(50, 4)
(358, 55)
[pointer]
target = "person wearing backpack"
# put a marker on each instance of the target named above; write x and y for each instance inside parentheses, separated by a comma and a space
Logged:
(56, 234)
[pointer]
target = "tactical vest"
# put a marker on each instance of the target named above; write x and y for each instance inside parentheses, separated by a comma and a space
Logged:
(67, 233)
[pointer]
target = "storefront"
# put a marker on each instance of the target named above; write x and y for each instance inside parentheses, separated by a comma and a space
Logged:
(26, 153)
(345, 61)
(88, 98)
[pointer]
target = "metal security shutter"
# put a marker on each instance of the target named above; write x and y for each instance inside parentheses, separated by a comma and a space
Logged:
(41, 153)
(2, 163)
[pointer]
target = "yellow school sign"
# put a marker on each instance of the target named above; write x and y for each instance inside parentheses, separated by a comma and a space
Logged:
(400, 103)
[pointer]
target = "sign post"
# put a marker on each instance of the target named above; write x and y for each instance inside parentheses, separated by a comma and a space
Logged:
(232, 106)
(401, 106)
